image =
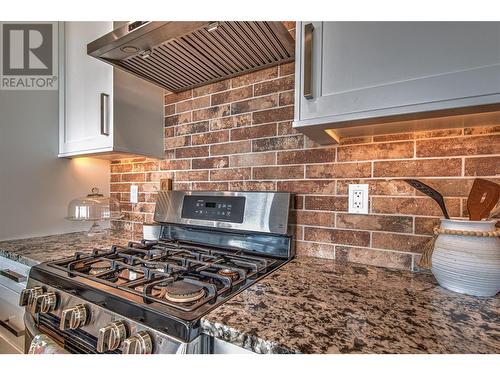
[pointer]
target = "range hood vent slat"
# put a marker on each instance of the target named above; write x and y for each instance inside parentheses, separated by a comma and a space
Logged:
(203, 73)
(234, 56)
(263, 50)
(237, 47)
(247, 44)
(182, 55)
(241, 62)
(203, 50)
(277, 43)
(131, 64)
(189, 76)
(280, 51)
(158, 70)
(201, 58)
(217, 48)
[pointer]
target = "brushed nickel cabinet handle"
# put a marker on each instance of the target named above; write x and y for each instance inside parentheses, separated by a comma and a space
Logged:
(308, 50)
(11, 328)
(14, 276)
(104, 114)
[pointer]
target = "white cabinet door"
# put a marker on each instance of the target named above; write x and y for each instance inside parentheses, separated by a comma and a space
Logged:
(363, 70)
(86, 121)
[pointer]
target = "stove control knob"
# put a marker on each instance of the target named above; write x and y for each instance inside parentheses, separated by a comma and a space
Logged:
(111, 337)
(43, 303)
(73, 317)
(140, 343)
(29, 295)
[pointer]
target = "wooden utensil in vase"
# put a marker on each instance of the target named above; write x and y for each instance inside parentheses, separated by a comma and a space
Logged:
(430, 192)
(483, 197)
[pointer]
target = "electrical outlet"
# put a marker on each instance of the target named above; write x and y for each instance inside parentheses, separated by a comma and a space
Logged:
(134, 194)
(358, 198)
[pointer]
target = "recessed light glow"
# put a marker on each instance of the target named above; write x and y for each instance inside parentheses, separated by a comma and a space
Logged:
(145, 54)
(82, 161)
(212, 26)
(333, 134)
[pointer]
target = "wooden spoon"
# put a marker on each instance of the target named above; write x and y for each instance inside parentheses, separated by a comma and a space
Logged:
(493, 214)
(483, 197)
(430, 192)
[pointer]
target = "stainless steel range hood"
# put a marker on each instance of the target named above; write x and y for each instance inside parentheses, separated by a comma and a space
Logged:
(180, 55)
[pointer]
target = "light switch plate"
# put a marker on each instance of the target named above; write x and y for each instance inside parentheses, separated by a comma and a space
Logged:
(165, 184)
(358, 198)
(134, 194)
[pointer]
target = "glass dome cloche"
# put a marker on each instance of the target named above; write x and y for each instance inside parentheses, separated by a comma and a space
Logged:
(94, 207)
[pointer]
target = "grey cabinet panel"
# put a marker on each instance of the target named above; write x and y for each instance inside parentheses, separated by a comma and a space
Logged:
(364, 70)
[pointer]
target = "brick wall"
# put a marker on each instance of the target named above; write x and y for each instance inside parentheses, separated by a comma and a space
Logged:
(237, 135)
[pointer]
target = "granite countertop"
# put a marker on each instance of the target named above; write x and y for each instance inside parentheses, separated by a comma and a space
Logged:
(321, 306)
(313, 305)
(31, 251)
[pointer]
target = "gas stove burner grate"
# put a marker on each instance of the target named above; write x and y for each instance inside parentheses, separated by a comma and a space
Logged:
(184, 294)
(179, 275)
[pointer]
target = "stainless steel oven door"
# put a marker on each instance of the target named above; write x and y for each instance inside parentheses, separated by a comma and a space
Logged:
(37, 342)
(11, 322)
(13, 277)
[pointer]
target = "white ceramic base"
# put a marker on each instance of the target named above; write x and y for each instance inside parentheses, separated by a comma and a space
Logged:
(467, 264)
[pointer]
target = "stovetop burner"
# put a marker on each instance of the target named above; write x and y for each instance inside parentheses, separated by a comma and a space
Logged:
(127, 275)
(100, 266)
(182, 291)
(229, 273)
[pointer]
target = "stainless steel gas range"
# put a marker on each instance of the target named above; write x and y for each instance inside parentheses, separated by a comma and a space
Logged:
(149, 296)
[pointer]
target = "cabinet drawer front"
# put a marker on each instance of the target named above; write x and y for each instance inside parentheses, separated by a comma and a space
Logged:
(11, 314)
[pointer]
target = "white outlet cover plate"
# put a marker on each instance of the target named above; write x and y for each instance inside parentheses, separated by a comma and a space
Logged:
(358, 199)
(134, 194)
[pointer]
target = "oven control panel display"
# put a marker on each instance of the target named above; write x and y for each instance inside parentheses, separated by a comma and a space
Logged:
(202, 207)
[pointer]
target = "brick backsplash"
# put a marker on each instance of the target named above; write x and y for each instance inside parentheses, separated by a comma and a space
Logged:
(237, 135)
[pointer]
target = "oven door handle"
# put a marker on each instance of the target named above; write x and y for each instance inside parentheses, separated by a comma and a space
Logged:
(7, 324)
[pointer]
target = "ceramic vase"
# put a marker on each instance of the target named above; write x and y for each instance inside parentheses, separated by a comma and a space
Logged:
(467, 264)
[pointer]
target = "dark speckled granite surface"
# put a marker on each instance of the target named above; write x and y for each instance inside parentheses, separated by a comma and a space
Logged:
(31, 251)
(321, 306)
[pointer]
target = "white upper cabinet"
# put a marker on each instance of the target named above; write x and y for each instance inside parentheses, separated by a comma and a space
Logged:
(88, 89)
(352, 75)
(104, 112)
